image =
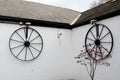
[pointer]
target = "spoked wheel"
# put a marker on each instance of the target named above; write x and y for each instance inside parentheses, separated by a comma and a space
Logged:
(99, 42)
(26, 44)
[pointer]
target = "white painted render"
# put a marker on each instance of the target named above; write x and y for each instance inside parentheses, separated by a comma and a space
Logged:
(56, 62)
(102, 73)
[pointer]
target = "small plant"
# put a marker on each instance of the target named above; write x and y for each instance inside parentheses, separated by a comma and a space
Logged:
(91, 64)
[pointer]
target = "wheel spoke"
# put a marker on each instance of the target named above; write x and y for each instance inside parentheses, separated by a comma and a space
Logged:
(106, 42)
(34, 38)
(17, 41)
(104, 48)
(101, 32)
(31, 52)
(105, 35)
(30, 35)
(97, 31)
(17, 46)
(91, 49)
(92, 34)
(25, 33)
(20, 51)
(96, 53)
(90, 44)
(19, 35)
(25, 53)
(90, 39)
(36, 43)
(100, 53)
(34, 48)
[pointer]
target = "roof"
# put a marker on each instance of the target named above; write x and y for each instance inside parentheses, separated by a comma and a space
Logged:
(51, 16)
(37, 12)
(103, 11)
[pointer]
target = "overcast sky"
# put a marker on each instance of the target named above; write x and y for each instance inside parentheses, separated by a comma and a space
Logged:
(78, 5)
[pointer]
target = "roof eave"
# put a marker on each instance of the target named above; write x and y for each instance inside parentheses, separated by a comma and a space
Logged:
(15, 20)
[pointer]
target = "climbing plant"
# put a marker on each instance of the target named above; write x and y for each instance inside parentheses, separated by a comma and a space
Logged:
(90, 63)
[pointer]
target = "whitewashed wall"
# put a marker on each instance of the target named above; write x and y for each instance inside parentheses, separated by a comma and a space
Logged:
(102, 72)
(54, 63)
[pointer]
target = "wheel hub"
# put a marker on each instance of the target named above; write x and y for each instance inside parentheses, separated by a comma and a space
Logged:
(27, 43)
(97, 42)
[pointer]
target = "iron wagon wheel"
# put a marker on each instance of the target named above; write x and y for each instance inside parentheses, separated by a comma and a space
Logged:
(99, 42)
(26, 49)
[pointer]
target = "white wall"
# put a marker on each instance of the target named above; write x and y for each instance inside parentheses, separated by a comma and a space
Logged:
(54, 63)
(102, 73)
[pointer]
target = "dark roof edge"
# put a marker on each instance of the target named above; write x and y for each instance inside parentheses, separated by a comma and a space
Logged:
(102, 17)
(15, 20)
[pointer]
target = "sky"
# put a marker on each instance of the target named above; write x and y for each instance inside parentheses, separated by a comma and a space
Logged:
(77, 5)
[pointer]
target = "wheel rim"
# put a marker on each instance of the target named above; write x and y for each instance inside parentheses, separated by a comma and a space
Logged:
(26, 49)
(99, 42)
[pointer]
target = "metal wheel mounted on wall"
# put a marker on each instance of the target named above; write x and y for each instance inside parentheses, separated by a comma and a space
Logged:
(99, 42)
(26, 44)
